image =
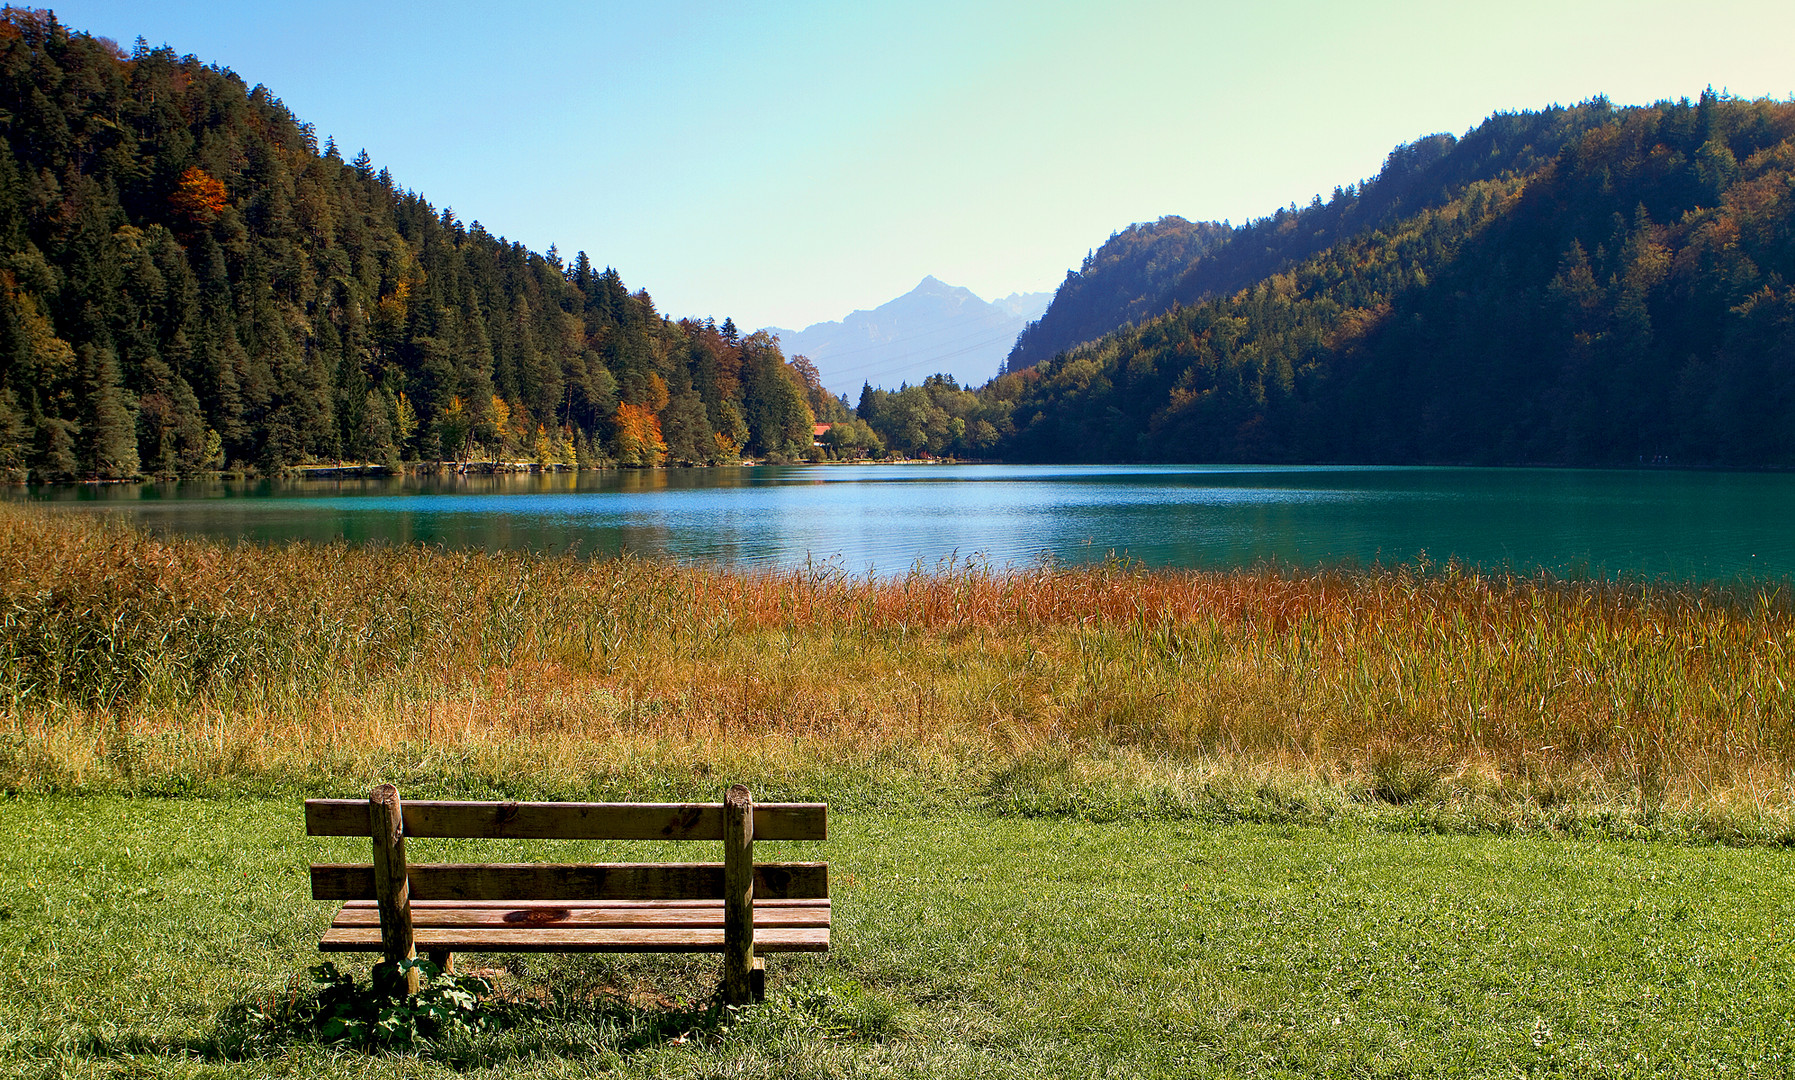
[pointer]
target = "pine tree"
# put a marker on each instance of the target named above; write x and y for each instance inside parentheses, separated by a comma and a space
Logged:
(15, 439)
(687, 430)
(55, 453)
(108, 426)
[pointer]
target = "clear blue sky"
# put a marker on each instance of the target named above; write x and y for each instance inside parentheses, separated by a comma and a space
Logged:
(787, 163)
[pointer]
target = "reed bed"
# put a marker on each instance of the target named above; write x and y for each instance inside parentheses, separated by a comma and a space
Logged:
(1429, 695)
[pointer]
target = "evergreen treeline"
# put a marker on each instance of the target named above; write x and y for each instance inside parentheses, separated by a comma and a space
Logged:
(1142, 271)
(1582, 286)
(1127, 280)
(188, 283)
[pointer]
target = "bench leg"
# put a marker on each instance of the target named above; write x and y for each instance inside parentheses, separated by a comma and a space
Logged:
(738, 896)
(757, 979)
(392, 881)
(443, 959)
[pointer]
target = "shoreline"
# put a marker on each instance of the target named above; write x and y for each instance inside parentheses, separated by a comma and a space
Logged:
(370, 470)
(1446, 700)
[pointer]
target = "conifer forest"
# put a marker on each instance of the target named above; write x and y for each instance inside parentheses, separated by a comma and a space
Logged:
(190, 283)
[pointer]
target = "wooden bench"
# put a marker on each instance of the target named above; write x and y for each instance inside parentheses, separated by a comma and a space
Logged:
(737, 907)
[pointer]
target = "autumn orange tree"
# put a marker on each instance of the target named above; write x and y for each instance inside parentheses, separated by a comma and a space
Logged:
(199, 198)
(639, 439)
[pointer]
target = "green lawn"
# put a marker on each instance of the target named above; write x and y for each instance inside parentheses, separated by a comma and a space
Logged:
(966, 945)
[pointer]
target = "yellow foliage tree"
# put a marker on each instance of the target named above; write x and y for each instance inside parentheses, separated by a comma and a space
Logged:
(639, 439)
(498, 420)
(658, 395)
(405, 418)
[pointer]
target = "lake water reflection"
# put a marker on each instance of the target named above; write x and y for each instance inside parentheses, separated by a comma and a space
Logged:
(888, 518)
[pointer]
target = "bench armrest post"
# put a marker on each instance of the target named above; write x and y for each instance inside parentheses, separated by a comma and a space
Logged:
(738, 896)
(392, 884)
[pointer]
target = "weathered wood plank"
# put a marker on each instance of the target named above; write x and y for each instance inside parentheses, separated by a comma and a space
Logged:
(715, 905)
(577, 916)
(570, 821)
(392, 892)
(738, 896)
(611, 939)
(580, 881)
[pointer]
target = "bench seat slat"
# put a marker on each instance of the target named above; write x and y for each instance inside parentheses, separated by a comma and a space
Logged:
(606, 939)
(579, 916)
(569, 821)
(446, 904)
(580, 881)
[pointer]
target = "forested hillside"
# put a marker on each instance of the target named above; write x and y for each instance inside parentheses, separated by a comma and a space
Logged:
(1628, 300)
(1142, 271)
(1591, 286)
(1128, 279)
(188, 282)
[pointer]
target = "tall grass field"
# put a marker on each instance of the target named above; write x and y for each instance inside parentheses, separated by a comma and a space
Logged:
(1085, 821)
(131, 664)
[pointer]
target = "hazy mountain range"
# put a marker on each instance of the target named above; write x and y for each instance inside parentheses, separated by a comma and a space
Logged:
(933, 329)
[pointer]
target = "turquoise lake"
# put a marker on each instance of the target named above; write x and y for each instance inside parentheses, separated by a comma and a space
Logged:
(889, 518)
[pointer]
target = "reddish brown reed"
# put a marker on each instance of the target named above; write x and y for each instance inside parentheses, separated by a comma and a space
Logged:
(299, 653)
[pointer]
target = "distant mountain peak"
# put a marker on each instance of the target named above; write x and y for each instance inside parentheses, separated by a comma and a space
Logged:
(932, 286)
(934, 329)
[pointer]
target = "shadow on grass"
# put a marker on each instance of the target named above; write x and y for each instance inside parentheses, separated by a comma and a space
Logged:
(517, 1019)
(578, 1018)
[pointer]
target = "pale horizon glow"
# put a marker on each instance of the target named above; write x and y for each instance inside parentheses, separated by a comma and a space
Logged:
(787, 166)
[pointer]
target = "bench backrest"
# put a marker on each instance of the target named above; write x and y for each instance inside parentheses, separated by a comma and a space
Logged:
(570, 821)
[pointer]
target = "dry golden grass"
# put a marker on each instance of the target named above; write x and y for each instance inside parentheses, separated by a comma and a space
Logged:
(129, 661)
